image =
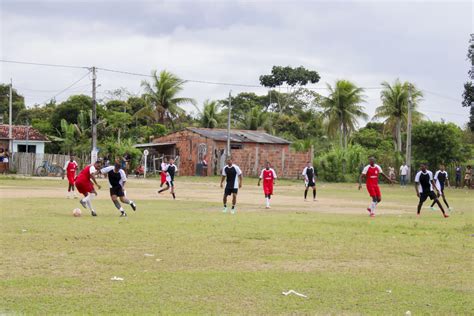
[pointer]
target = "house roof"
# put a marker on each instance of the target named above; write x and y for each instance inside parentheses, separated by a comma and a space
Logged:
(20, 132)
(239, 136)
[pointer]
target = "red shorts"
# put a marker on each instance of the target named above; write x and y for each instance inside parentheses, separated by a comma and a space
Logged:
(70, 178)
(84, 187)
(268, 189)
(163, 177)
(374, 190)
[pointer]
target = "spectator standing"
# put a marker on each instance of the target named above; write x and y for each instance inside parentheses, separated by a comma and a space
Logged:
(403, 174)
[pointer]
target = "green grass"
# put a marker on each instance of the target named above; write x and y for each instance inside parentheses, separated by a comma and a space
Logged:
(211, 263)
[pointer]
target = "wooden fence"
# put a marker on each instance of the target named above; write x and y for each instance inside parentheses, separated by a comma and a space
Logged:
(27, 163)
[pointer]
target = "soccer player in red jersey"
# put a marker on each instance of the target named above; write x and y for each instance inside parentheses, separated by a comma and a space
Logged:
(371, 172)
(84, 185)
(268, 175)
(71, 169)
(164, 166)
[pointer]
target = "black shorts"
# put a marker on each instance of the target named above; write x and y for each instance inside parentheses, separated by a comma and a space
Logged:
(118, 191)
(424, 196)
(230, 191)
(310, 184)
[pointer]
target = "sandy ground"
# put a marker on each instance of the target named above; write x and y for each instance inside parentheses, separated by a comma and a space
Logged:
(286, 198)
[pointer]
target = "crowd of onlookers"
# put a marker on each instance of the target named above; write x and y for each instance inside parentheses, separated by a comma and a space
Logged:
(460, 181)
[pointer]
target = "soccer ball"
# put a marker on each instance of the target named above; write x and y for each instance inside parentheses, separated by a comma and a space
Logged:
(76, 212)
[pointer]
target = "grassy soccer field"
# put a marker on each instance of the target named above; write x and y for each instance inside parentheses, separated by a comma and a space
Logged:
(186, 257)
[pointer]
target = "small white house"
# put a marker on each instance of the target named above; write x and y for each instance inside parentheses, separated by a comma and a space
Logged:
(24, 139)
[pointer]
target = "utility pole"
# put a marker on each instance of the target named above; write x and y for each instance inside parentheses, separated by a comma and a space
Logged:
(10, 116)
(228, 124)
(409, 124)
(94, 117)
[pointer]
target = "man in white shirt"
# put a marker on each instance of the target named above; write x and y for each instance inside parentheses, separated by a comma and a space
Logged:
(403, 174)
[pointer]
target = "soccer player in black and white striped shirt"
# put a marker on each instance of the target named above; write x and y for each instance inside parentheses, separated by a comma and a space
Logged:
(441, 179)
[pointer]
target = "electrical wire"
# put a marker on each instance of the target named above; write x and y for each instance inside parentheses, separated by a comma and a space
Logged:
(68, 87)
(42, 64)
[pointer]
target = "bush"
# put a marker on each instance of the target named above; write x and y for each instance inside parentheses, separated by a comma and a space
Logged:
(339, 165)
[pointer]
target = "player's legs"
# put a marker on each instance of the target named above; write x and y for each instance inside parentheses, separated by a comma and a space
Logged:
(87, 201)
(433, 196)
(314, 193)
(234, 201)
(115, 200)
(164, 189)
(423, 198)
(267, 200)
(305, 192)
(224, 201)
(172, 190)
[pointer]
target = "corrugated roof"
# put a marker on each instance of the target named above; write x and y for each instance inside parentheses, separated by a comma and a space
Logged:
(239, 136)
(152, 145)
(21, 132)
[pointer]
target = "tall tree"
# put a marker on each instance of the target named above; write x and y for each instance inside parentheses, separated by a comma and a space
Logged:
(394, 108)
(163, 93)
(18, 103)
(210, 116)
(468, 94)
(342, 108)
(291, 76)
(255, 118)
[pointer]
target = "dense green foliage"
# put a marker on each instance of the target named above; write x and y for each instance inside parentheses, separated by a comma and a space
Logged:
(437, 143)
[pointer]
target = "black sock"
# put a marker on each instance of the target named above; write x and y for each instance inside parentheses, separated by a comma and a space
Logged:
(174, 196)
(305, 194)
(233, 206)
(225, 205)
(432, 204)
(314, 194)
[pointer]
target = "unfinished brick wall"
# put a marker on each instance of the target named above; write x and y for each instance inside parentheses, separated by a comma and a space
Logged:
(251, 158)
(286, 162)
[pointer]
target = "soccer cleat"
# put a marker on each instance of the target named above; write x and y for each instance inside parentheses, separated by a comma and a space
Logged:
(93, 213)
(445, 215)
(267, 207)
(83, 203)
(372, 214)
(314, 200)
(450, 209)
(433, 208)
(224, 210)
(133, 205)
(123, 214)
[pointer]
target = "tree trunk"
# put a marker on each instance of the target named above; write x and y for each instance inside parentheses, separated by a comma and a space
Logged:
(341, 136)
(344, 133)
(399, 135)
(118, 135)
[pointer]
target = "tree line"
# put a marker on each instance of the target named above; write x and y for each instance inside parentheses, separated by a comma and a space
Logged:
(329, 124)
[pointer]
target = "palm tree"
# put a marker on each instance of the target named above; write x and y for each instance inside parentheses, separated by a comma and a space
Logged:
(342, 109)
(255, 118)
(394, 108)
(163, 92)
(210, 115)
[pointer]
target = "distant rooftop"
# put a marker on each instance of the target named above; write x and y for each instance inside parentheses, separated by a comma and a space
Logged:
(21, 132)
(239, 136)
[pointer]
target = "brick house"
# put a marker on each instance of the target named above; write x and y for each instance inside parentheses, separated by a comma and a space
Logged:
(249, 149)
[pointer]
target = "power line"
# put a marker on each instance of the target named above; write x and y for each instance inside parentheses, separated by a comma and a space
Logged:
(441, 96)
(41, 64)
(47, 91)
(68, 87)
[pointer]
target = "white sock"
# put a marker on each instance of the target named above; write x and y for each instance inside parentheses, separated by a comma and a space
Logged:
(122, 210)
(267, 200)
(372, 207)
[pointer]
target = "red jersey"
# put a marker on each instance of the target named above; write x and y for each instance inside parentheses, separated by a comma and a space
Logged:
(372, 174)
(85, 175)
(71, 167)
(268, 176)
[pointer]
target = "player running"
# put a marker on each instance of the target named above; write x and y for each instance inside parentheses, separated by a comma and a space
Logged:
(117, 179)
(170, 171)
(424, 185)
(309, 175)
(233, 176)
(371, 173)
(84, 185)
(70, 167)
(268, 175)
(441, 178)
(164, 166)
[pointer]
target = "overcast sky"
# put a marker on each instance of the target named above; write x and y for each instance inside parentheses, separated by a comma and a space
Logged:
(236, 41)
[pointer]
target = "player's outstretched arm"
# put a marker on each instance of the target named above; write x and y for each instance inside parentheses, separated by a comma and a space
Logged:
(240, 181)
(416, 189)
(259, 180)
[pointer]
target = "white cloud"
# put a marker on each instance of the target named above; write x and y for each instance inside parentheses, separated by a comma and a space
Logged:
(230, 41)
